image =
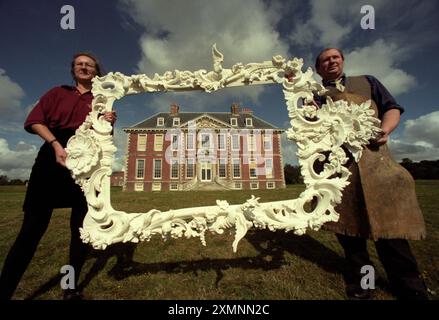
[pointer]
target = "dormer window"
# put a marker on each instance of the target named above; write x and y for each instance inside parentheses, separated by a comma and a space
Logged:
(160, 122)
(176, 122)
(233, 122)
(248, 122)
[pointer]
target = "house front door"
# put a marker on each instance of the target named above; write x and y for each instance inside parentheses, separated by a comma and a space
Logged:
(206, 171)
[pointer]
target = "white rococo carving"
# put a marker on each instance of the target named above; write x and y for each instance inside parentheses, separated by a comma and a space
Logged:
(319, 134)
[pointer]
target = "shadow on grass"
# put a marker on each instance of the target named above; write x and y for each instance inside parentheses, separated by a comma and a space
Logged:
(271, 246)
(53, 282)
(122, 251)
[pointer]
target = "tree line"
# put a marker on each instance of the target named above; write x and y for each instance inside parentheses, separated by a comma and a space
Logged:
(4, 180)
(423, 170)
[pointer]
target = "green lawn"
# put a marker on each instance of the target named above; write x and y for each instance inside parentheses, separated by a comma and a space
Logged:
(267, 265)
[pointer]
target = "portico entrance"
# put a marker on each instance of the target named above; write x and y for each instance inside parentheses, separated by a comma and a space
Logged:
(206, 171)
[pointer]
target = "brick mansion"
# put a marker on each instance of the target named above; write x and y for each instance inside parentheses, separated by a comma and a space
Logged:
(203, 151)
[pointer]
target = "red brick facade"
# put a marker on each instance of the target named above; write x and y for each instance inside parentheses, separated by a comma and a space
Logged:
(213, 156)
(117, 179)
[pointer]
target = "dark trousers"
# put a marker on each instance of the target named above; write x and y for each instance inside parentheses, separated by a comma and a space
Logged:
(397, 259)
(34, 226)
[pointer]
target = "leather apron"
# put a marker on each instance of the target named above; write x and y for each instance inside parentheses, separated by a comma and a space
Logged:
(380, 201)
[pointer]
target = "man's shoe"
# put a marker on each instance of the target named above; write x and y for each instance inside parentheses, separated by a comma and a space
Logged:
(354, 291)
(73, 295)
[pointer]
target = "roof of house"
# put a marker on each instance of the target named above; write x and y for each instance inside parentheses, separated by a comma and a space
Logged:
(224, 117)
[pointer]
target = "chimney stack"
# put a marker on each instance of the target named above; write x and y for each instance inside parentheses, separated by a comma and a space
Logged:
(174, 109)
(234, 108)
(247, 110)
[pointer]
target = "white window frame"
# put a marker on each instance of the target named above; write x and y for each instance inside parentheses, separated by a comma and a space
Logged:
(251, 142)
(237, 188)
(190, 134)
(139, 186)
(156, 186)
(268, 138)
(193, 168)
(171, 186)
(269, 174)
(272, 183)
(222, 161)
(160, 122)
(252, 164)
(233, 168)
(206, 168)
(137, 169)
(254, 183)
(233, 142)
(174, 162)
(156, 144)
(141, 147)
(176, 122)
(234, 122)
(175, 145)
(201, 140)
(154, 168)
(248, 122)
(222, 136)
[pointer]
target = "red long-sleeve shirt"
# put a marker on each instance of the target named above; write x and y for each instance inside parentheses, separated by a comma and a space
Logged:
(60, 108)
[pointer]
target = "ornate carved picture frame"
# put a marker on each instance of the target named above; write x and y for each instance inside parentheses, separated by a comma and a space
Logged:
(319, 134)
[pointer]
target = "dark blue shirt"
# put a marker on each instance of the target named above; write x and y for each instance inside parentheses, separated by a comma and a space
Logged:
(383, 99)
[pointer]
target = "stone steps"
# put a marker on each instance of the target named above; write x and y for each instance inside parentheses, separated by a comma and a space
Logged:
(207, 186)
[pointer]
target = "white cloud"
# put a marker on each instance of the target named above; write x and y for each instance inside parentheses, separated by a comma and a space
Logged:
(12, 122)
(380, 60)
(212, 102)
(416, 151)
(16, 164)
(120, 141)
(336, 23)
(425, 129)
(11, 95)
(419, 140)
(330, 23)
(118, 164)
(289, 150)
(244, 31)
(8, 126)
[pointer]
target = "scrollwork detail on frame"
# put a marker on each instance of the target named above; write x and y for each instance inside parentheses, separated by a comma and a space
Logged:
(320, 135)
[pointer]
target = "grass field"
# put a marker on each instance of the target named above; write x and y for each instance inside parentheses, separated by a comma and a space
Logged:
(267, 265)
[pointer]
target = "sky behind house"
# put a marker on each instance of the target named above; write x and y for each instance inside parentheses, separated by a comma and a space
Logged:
(140, 36)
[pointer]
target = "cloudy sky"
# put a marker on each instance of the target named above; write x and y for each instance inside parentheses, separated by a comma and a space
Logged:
(141, 36)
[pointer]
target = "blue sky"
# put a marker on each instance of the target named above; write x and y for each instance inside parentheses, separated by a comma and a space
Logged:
(139, 36)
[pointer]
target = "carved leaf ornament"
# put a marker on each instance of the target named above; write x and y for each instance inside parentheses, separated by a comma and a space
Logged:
(319, 134)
